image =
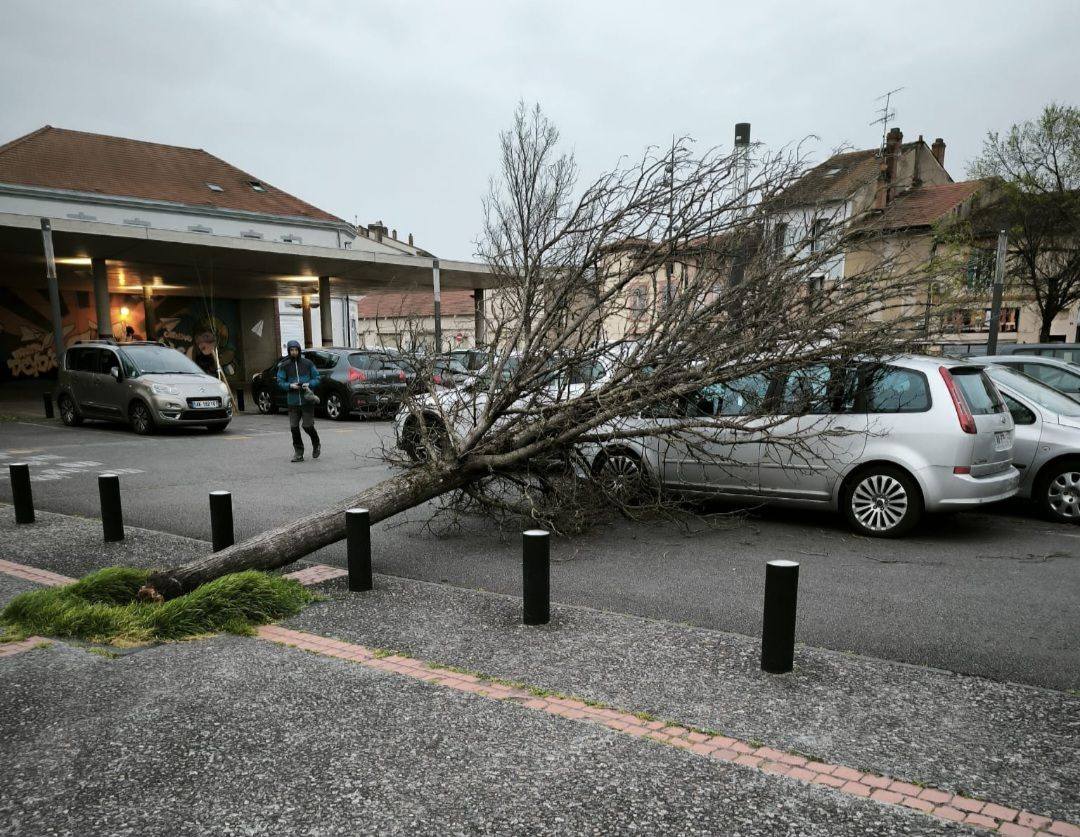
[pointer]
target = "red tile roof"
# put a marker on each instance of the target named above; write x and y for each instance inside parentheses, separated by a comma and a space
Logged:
(56, 158)
(924, 206)
(418, 304)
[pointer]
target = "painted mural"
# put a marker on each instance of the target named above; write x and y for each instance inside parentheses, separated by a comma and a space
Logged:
(208, 334)
(26, 332)
(199, 329)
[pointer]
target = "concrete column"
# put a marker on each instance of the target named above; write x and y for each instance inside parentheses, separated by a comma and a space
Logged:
(149, 317)
(326, 318)
(305, 309)
(479, 319)
(101, 298)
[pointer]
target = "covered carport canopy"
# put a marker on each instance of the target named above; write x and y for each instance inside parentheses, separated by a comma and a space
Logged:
(179, 262)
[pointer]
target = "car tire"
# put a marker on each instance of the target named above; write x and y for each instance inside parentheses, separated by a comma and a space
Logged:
(217, 428)
(624, 476)
(264, 401)
(335, 407)
(412, 437)
(142, 420)
(881, 501)
(1057, 491)
(69, 413)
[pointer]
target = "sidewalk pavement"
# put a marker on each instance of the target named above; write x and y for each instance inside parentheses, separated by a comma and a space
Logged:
(405, 750)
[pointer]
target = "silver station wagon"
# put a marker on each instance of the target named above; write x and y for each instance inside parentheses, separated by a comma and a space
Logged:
(147, 385)
(881, 443)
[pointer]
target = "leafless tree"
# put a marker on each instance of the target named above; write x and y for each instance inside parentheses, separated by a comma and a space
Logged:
(1034, 176)
(618, 309)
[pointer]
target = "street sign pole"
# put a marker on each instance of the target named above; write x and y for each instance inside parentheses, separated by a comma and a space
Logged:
(999, 284)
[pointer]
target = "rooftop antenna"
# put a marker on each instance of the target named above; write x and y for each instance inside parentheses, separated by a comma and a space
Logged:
(886, 115)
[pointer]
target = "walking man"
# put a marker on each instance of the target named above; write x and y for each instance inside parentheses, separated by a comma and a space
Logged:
(298, 377)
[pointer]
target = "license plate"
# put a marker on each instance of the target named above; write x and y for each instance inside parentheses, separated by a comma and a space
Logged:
(203, 405)
(1003, 441)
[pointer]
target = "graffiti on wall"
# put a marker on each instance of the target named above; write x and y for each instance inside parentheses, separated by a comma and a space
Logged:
(26, 330)
(198, 329)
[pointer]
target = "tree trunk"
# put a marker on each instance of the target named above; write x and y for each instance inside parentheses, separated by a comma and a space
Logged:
(291, 541)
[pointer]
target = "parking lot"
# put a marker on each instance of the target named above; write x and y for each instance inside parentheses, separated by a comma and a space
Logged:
(989, 593)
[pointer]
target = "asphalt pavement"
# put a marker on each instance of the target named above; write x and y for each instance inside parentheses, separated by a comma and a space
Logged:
(992, 593)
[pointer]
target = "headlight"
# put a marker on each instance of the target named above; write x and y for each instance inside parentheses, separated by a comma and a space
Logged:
(164, 389)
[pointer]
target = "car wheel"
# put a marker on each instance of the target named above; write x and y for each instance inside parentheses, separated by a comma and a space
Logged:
(882, 502)
(412, 438)
(217, 428)
(141, 420)
(265, 402)
(624, 477)
(1058, 493)
(69, 413)
(335, 408)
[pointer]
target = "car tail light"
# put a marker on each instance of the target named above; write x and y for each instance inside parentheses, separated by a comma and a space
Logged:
(963, 412)
(437, 379)
(356, 375)
(401, 374)
(962, 469)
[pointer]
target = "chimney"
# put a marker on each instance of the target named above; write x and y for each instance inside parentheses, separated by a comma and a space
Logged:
(881, 192)
(377, 230)
(938, 150)
(410, 240)
(893, 141)
(393, 234)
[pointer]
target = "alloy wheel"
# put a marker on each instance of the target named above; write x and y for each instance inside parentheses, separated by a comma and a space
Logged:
(140, 419)
(879, 502)
(333, 407)
(1063, 495)
(265, 401)
(67, 411)
(622, 475)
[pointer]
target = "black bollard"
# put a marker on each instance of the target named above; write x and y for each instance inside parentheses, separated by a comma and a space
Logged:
(47, 398)
(240, 399)
(21, 495)
(535, 577)
(112, 515)
(221, 522)
(778, 622)
(358, 535)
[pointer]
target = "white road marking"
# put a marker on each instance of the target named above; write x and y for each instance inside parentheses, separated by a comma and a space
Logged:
(58, 468)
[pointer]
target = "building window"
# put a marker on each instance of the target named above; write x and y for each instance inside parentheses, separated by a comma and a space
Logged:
(257, 186)
(980, 270)
(292, 239)
(817, 234)
(779, 240)
(136, 222)
(638, 299)
(199, 228)
(214, 187)
(251, 234)
(977, 320)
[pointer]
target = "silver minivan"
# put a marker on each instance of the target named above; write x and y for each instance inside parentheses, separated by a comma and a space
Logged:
(147, 385)
(882, 443)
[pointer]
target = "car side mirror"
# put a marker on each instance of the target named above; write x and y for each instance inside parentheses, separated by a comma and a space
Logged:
(115, 372)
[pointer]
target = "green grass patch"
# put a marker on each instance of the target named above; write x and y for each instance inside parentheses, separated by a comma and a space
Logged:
(101, 607)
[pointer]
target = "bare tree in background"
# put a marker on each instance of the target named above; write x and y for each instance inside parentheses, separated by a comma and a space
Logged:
(618, 306)
(1035, 174)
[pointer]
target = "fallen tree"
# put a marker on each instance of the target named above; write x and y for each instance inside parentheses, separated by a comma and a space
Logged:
(619, 310)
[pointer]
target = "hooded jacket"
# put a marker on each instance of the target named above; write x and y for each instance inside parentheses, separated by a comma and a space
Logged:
(301, 371)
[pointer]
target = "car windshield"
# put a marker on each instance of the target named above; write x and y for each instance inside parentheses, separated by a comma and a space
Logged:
(1041, 394)
(159, 360)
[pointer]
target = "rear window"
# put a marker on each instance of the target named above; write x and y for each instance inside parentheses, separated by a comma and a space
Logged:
(890, 389)
(374, 363)
(980, 394)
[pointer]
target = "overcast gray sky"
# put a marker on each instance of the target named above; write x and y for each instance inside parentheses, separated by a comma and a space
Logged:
(392, 110)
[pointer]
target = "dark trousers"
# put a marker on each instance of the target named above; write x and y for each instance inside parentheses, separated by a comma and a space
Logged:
(305, 414)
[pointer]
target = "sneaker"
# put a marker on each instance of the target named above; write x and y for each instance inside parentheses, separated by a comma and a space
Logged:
(298, 457)
(315, 451)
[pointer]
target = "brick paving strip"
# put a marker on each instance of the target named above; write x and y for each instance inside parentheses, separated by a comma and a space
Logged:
(988, 816)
